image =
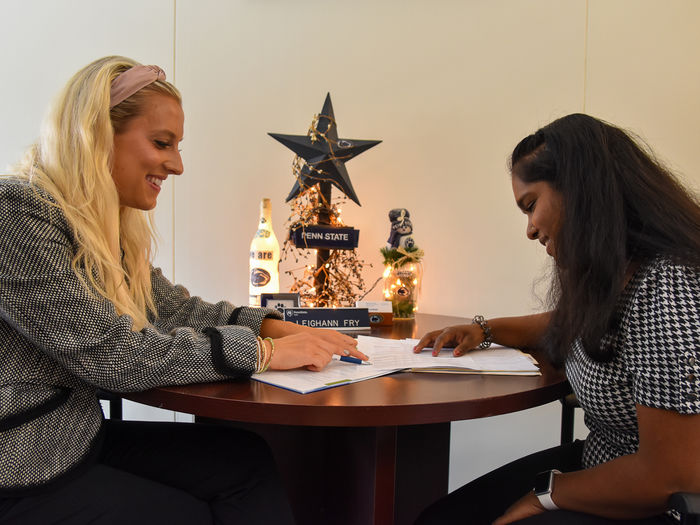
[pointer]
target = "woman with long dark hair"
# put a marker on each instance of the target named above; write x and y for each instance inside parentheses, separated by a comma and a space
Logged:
(624, 322)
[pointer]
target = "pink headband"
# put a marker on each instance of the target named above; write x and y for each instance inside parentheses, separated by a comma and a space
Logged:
(132, 80)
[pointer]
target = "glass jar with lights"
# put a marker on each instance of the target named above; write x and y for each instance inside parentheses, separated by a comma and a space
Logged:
(403, 270)
(402, 287)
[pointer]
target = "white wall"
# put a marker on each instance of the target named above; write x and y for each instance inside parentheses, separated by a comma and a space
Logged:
(43, 42)
(449, 86)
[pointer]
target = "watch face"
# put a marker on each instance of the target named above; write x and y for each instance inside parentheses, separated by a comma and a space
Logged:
(543, 482)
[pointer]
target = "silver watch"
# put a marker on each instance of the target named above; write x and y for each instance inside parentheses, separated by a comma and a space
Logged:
(544, 484)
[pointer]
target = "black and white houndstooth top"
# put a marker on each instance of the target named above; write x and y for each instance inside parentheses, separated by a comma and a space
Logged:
(656, 363)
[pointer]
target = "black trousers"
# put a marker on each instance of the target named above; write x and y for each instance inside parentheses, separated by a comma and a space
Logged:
(164, 473)
(486, 498)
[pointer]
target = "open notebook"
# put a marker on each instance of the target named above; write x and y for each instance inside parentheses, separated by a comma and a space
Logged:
(390, 355)
(495, 360)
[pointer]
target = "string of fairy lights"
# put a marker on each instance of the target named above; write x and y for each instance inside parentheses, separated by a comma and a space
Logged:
(343, 268)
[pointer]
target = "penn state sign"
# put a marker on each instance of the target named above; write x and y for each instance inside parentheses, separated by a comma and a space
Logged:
(328, 237)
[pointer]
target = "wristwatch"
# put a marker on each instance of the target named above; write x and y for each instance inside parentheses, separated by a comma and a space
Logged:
(544, 484)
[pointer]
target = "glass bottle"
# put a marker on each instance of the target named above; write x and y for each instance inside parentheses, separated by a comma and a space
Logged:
(402, 287)
(264, 276)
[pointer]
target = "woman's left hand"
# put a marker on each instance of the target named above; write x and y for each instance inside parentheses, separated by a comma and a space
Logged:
(525, 507)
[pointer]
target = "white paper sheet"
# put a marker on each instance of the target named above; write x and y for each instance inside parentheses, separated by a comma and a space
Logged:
(390, 355)
(337, 373)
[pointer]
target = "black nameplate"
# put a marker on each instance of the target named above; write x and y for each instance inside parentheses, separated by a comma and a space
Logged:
(333, 318)
(345, 238)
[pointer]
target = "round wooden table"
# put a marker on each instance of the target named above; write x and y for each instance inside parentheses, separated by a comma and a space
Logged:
(376, 451)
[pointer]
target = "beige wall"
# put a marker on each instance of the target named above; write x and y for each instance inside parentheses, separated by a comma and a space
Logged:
(449, 86)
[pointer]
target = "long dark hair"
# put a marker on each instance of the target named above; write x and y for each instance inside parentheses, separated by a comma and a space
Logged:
(621, 207)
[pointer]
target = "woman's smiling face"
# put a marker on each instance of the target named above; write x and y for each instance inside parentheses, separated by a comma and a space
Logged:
(543, 206)
(146, 152)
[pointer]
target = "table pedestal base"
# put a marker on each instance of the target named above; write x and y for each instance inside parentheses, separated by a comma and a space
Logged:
(358, 475)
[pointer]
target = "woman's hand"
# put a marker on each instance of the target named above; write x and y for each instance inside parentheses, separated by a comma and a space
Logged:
(462, 337)
(300, 346)
(525, 507)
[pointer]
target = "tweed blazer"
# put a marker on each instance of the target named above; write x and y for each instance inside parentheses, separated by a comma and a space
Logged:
(59, 343)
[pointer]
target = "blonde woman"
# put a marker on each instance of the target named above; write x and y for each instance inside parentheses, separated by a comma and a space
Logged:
(82, 308)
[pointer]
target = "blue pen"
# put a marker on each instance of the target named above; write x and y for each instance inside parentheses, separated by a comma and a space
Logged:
(355, 360)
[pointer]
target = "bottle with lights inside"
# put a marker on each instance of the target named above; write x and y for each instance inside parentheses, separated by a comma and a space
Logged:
(403, 269)
(264, 257)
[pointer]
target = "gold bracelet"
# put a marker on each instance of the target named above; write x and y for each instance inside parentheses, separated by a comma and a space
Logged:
(257, 356)
(262, 351)
(272, 352)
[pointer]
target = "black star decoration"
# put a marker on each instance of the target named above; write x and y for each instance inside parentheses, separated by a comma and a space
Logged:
(324, 154)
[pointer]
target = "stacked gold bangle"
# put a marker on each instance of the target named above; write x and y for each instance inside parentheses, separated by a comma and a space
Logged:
(272, 352)
(263, 359)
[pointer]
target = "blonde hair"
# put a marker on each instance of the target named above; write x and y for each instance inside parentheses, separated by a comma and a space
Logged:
(71, 162)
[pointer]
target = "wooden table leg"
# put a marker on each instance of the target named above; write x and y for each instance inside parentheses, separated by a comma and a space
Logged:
(384, 478)
(422, 468)
(359, 475)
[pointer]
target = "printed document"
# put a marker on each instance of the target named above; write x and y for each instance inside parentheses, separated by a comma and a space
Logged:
(391, 355)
